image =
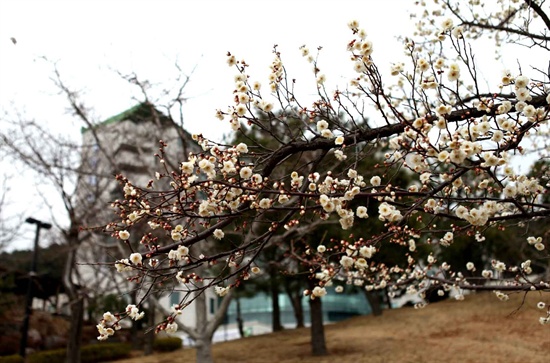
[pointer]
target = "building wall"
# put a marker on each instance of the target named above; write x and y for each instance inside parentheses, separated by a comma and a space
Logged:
(124, 146)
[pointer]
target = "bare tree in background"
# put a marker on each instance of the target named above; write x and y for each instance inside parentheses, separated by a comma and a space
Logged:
(81, 173)
(8, 222)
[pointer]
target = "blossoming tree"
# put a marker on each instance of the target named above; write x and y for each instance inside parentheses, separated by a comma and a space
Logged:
(457, 139)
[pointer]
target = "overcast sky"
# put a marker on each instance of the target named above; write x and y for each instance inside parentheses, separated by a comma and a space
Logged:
(90, 40)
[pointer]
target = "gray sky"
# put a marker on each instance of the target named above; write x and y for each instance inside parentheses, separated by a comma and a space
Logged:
(90, 40)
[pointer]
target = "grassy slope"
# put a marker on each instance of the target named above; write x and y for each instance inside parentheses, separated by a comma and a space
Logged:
(479, 329)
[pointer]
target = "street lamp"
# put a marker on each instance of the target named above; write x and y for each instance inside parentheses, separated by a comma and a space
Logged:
(32, 273)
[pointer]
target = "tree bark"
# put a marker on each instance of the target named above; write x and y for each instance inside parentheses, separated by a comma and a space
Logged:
(318, 344)
(203, 332)
(387, 298)
(74, 342)
(203, 341)
(276, 309)
(295, 298)
(373, 297)
(150, 335)
(134, 328)
(240, 323)
(204, 350)
(75, 331)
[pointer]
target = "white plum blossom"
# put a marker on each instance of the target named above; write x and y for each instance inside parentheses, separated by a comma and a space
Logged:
(339, 154)
(133, 312)
(218, 234)
(242, 148)
(318, 292)
(533, 240)
(346, 261)
(327, 134)
(178, 254)
(187, 167)
(124, 235)
(361, 263)
(171, 328)
(388, 212)
(521, 82)
(367, 251)
(502, 296)
(221, 291)
(361, 212)
(123, 265)
(322, 125)
(265, 203)
(228, 167)
(104, 333)
(245, 172)
(136, 258)
(499, 266)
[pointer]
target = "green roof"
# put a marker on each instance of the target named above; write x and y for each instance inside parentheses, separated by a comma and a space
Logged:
(137, 113)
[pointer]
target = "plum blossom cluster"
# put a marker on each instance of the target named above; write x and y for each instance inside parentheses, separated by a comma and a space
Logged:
(110, 323)
(435, 166)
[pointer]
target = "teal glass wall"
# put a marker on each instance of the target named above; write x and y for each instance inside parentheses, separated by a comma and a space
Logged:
(336, 307)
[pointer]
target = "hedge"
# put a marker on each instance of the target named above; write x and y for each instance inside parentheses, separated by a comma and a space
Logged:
(167, 344)
(12, 359)
(89, 354)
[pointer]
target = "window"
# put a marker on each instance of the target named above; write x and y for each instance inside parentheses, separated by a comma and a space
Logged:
(174, 298)
(212, 305)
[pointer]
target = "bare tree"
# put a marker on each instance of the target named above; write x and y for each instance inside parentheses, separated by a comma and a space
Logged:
(8, 221)
(81, 172)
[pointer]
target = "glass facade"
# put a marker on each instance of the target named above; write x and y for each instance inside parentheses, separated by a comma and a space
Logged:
(336, 307)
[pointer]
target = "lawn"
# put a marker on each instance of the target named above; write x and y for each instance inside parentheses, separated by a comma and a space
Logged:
(479, 329)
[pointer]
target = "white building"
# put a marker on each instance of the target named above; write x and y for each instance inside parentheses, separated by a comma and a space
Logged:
(125, 144)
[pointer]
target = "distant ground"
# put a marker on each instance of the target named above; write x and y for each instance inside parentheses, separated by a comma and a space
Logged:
(479, 329)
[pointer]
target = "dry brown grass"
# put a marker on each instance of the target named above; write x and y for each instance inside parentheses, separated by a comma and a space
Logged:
(479, 329)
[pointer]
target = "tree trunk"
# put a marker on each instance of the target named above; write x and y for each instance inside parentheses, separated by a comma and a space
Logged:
(75, 331)
(318, 344)
(295, 298)
(204, 350)
(204, 329)
(203, 341)
(74, 342)
(276, 309)
(373, 297)
(150, 336)
(240, 323)
(388, 299)
(134, 328)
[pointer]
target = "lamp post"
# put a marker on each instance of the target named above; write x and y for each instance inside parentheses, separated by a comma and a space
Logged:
(32, 273)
